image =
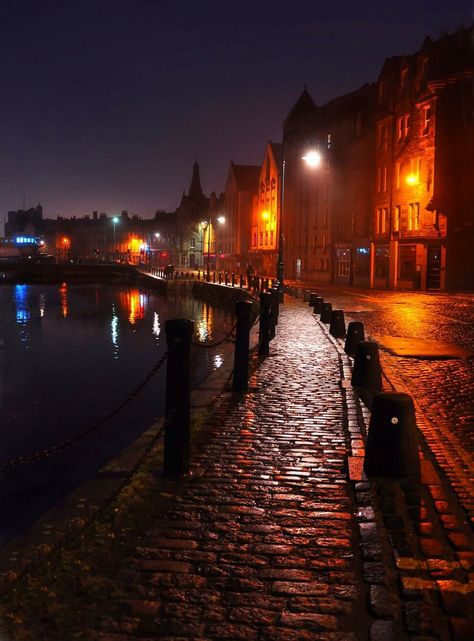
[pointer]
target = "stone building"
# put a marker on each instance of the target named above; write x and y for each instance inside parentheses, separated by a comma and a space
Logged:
(423, 218)
(234, 233)
(266, 212)
(328, 203)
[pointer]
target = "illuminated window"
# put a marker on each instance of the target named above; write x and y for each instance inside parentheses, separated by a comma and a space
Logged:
(413, 216)
(426, 119)
(398, 168)
(384, 178)
(396, 217)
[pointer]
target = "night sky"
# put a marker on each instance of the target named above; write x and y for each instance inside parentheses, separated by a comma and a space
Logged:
(105, 105)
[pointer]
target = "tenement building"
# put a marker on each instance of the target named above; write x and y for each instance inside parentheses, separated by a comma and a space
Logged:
(423, 216)
(266, 212)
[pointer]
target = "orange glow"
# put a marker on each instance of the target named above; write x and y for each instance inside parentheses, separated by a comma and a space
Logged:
(265, 215)
(412, 179)
(135, 245)
(63, 293)
(134, 303)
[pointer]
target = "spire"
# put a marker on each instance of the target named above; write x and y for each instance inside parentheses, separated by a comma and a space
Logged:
(195, 191)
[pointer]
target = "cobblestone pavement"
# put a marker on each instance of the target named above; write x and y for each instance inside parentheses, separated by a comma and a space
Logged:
(271, 538)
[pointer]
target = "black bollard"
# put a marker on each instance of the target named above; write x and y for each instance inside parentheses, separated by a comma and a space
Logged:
(178, 389)
(241, 281)
(318, 303)
(220, 278)
(355, 334)
(392, 443)
(306, 294)
(213, 277)
(226, 277)
(337, 328)
(233, 279)
(312, 299)
(326, 311)
(274, 309)
(243, 309)
(264, 326)
(367, 371)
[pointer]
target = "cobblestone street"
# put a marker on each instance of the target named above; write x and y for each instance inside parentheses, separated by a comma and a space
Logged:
(271, 539)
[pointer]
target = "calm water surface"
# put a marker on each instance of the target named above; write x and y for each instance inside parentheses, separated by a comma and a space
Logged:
(68, 356)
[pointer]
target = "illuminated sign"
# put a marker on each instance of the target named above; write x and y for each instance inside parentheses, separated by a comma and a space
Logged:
(26, 240)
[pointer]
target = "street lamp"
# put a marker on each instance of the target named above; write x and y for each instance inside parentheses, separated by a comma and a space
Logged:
(114, 221)
(207, 226)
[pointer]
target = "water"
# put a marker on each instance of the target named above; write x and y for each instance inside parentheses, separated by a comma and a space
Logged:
(68, 356)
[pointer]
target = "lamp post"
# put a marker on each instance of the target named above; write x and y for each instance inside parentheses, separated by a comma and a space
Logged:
(114, 221)
(207, 226)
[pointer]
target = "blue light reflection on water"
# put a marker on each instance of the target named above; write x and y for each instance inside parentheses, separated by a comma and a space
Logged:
(68, 356)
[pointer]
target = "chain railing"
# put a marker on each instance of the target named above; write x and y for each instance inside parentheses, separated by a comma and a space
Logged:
(62, 445)
(227, 337)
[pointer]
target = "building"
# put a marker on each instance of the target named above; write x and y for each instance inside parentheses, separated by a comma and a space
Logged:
(236, 212)
(266, 212)
(329, 198)
(423, 217)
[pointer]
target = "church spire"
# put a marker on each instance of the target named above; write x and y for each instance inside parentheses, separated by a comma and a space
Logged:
(195, 191)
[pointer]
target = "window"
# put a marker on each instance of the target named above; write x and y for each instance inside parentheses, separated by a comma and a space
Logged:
(381, 262)
(426, 120)
(384, 178)
(413, 216)
(398, 170)
(400, 128)
(379, 179)
(329, 141)
(403, 127)
(396, 217)
(403, 79)
(192, 242)
(261, 238)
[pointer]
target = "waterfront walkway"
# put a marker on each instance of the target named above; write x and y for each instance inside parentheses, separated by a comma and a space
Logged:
(270, 538)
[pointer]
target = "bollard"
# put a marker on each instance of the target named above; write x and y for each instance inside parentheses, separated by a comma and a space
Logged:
(220, 278)
(232, 279)
(312, 299)
(326, 311)
(214, 277)
(264, 326)
(178, 389)
(274, 305)
(243, 309)
(337, 328)
(318, 303)
(367, 371)
(226, 277)
(355, 334)
(241, 281)
(392, 443)
(306, 294)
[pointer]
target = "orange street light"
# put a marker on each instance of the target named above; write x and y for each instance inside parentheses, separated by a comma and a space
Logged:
(313, 158)
(265, 215)
(412, 179)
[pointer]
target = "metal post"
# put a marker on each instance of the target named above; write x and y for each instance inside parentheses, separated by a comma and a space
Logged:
(281, 237)
(243, 309)
(178, 390)
(264, 326)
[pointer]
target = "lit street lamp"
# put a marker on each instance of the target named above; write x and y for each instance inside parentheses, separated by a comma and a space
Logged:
(207, 226)
(114, 221)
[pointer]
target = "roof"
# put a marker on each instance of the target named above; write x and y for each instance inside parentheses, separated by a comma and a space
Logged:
(303, 107)
(277, 150)
(246, 176)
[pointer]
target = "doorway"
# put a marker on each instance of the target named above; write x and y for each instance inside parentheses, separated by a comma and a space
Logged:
(433, 273)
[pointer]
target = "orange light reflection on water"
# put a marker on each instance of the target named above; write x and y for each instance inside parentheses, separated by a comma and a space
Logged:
(134, 303)
(64, 305)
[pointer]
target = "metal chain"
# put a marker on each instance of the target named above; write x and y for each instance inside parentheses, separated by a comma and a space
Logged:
(219, 342)
(56, 449)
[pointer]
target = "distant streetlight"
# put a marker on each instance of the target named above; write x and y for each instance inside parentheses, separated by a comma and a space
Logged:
(115, 220)
(313, 158)
(207, 226)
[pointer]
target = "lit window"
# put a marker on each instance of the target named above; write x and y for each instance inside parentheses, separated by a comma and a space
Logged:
(426, 120)
(396, 218)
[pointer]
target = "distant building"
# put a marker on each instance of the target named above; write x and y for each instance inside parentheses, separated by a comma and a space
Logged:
(234, 235)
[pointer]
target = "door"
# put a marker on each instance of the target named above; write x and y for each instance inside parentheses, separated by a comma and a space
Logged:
(433, 274)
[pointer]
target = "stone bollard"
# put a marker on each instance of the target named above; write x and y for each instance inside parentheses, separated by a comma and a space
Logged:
(243, 309)
(264, 326)
(337, 328)
(392, 443)
(312, 299)
(179, 333)
(326, 311)
(355, 334)
(367, 372)
(318, 304)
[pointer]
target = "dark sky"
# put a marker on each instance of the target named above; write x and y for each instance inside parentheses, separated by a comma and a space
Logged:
(105, 105)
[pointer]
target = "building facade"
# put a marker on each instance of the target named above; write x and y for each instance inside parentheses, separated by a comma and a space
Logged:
(424, 190)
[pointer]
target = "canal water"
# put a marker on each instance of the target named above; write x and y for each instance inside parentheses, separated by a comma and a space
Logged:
(68, 356)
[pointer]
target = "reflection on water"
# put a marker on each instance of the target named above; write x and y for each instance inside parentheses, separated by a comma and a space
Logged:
(68, 356)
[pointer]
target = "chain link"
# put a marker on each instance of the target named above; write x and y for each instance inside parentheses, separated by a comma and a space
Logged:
(219, 342)
(60, 447)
